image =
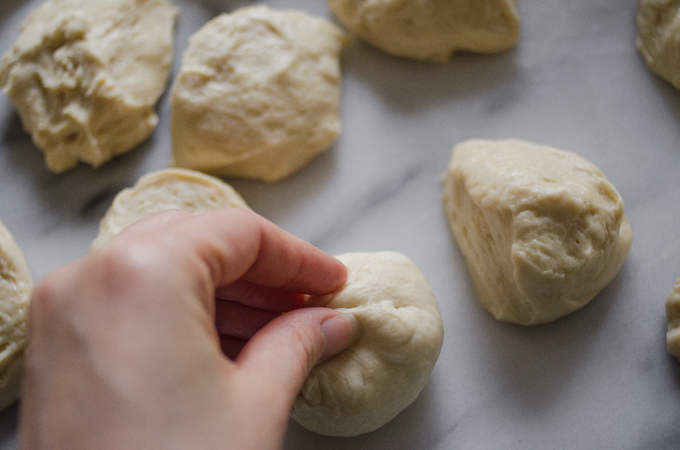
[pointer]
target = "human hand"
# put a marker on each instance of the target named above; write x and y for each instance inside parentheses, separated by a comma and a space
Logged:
(124, 347)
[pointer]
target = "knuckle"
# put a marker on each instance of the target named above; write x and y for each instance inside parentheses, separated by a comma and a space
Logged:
(53, 302)
(45, 296)
(124, 260)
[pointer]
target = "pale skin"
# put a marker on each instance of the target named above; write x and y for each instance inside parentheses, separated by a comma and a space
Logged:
(127, 345)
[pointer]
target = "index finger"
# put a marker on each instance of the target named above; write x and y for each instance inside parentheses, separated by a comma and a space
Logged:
(235, 243)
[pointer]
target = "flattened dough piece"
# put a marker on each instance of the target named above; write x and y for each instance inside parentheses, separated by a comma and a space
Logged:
(367, 385)
(164, 190)
(673, 315)
(258, 94)
(85, 75)
(16, 286)
(431, 30)
(658, 39)
(542, 230)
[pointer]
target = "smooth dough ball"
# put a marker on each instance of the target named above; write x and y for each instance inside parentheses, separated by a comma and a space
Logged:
(367, 385)
(658, 40)
(16, 286)
(673, 314)
(85, 75)
(431, 30)
(163, 190)
(258, 94)
(542, 230)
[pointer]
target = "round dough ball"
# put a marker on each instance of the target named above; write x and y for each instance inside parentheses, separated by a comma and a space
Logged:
(658, 40)
(367, 385)
(85, 75)
(431, 30)
(164, 190)
(16, 286)
(258, 94)
(542, 230)
(673, 315)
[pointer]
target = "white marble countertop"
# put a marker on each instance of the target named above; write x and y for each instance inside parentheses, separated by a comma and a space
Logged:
(599, 378)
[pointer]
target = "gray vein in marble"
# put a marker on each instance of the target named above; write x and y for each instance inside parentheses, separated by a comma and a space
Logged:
(367, 203)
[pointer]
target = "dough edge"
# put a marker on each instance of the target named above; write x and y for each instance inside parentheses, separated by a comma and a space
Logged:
(12, 355)
(125, 202)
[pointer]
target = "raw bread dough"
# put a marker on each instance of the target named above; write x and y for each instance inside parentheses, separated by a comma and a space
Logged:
(258, 94)
(85, 75)
(542, 230)
(367, 385)
(431, 30)
(163, 190)
(16, 286)
(673, 314)
(658, 40)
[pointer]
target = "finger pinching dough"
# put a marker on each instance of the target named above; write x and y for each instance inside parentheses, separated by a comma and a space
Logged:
(542, 231)
(258, 94)
(16, 286)
(164, 190)
(367, 385)
(658, 39)
(431, 30)
(85, 76)
(673, 315)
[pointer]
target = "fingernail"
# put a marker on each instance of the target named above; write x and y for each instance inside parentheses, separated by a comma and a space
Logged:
(339, 333)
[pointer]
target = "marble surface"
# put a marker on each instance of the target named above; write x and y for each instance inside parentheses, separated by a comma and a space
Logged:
(599, 378)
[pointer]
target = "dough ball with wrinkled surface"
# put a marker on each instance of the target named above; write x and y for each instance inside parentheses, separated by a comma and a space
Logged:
(658, 39)
(367, 385)
(431, 30)
(258, 94)
(163, 190)
(85, 76)
(16, 286)
(673, 315)
(542, 231)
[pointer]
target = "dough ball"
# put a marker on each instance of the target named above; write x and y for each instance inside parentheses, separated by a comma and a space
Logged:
(542, 230)
(673, 314)
(258, 94)
(16, 286)
(367, 385)
(163, 190)
(431, 30)
(85, 75)
(658, 40)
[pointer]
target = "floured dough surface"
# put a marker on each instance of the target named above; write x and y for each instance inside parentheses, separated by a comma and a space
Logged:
(85, 75)
(258, 94)
(16, 286)
(542, 230)
(367, 385)
(431, 30)
(673, 315)
(658, 39)
(164, 190)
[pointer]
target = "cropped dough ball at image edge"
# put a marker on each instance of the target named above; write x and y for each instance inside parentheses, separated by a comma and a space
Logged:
(263, 102)
(16, 286)
(541, 230)
(658, 38)
(370, 383)
(163, 190)
(431, 31)
(85, 76)
(673, 316)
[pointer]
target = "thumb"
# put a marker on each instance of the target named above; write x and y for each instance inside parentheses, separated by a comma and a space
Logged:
(279, 357)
